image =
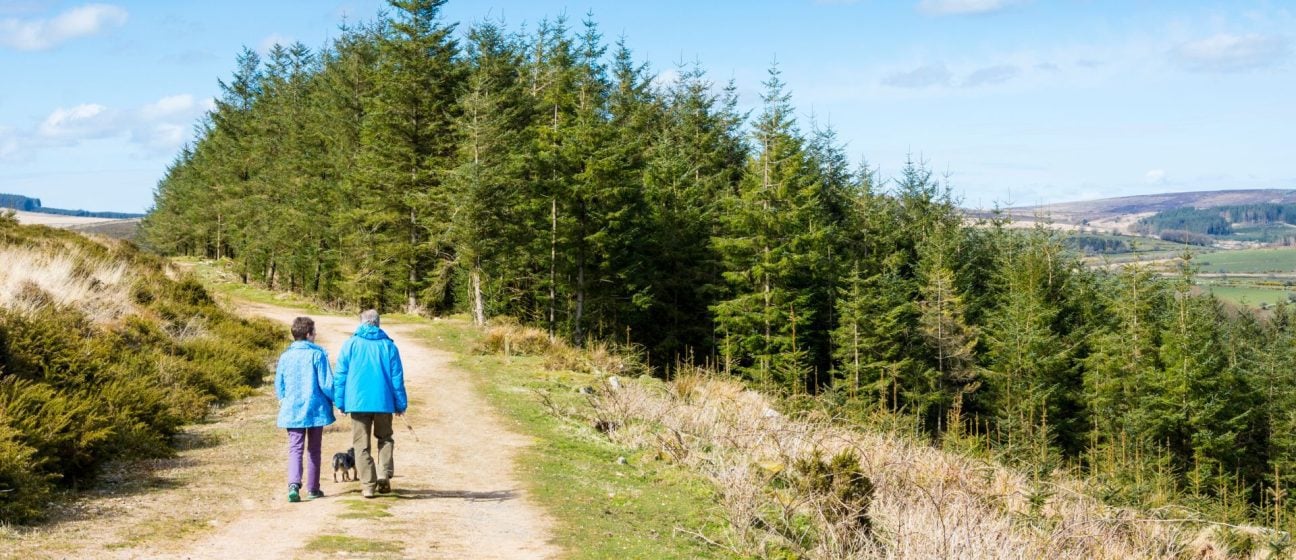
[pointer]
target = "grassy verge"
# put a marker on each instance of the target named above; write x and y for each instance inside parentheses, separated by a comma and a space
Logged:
(609, 501)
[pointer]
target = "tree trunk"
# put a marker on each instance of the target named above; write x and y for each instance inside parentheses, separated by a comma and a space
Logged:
(553, 264)
(479, 306)
(412, 305)
(578, 334)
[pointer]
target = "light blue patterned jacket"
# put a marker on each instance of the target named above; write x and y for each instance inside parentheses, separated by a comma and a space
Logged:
(303, 384)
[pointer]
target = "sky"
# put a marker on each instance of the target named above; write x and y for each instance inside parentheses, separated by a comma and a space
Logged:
(1016, 102)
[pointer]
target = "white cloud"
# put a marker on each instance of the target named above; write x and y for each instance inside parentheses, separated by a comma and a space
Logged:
(920, 77)
(156, 128)
(964, 7)
(160, 138)
(168, 106)
(164, 125)
(35, 34)
(82, 122)
(1155, 177)
(1231, 53)
(991, 75)
(666, 78)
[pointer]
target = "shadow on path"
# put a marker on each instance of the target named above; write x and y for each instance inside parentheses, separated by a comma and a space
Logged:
(468, 495)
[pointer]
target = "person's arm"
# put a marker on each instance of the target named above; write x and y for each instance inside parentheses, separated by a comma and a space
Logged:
(323, 377)
(281, 388)
(340, 377)
(398, 380)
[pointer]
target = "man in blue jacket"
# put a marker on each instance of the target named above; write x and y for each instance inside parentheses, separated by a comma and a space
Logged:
(369, 384)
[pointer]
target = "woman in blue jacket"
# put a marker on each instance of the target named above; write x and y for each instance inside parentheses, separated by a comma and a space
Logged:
(370, 386)
(304, 388)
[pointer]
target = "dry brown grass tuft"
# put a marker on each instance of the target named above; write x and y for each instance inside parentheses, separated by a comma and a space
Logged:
(601, 358)
(33, 278)
(511, 339)
(921, 502)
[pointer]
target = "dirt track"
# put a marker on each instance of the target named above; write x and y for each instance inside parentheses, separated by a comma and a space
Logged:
(456, 495)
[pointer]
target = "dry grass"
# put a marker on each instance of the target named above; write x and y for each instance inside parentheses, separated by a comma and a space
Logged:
(923, 503)
(601, 358)
(33, 278)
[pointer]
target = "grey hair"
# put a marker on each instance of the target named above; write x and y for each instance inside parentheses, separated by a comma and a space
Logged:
(369, 317)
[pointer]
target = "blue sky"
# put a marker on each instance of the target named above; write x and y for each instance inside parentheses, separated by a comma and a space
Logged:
(1019, 101)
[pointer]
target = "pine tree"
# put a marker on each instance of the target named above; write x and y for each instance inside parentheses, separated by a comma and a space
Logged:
(761, 243)
(400, 244)
(490, 183)
(1026, 359)
(945, 330)
(691, 164)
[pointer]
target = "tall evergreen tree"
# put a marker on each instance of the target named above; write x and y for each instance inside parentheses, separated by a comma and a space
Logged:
(400, 243)
(760, 242)
(490, 184)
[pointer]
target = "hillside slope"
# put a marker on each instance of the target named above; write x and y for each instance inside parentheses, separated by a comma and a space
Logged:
(1120, 212)
(105, 352)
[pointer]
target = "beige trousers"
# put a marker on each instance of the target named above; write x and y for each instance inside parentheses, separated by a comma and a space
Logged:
(380, 426)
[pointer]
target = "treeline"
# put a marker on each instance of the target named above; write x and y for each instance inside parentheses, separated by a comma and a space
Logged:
(1217, 220)
(545, 176)
(1095, 244)
(79, 387)
(1210, 221)
(1186, 237)
(19, 202)
(26, 204)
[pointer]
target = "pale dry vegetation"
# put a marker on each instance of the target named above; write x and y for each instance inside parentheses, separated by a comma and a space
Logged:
(511, 339)
(808, 487)
(31, 278)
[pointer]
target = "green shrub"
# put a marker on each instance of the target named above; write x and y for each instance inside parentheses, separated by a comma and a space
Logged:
(75, 392)
(24, 490)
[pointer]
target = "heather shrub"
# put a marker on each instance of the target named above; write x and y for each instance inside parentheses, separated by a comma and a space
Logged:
(103, 357)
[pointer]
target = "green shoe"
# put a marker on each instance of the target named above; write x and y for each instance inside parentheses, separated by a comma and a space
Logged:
(314, 494)
(294, 492)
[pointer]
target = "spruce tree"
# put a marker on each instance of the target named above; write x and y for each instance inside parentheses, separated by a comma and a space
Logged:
(760, 243)
(490, 184)
(401, 243)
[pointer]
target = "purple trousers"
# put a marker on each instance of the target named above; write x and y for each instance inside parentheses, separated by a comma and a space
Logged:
(310, 439)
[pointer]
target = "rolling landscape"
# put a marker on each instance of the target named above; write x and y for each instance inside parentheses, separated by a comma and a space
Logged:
(1252, 264)
(642, 307)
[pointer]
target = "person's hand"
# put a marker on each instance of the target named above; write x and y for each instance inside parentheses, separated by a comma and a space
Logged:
(400, 414)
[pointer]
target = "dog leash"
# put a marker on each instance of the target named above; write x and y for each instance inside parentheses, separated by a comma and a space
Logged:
(409, 427)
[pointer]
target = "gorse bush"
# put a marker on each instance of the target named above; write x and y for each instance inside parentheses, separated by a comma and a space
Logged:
(84, 381)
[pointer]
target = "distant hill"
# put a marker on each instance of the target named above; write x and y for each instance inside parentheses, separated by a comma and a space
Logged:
(1109, 209)
(27, 204)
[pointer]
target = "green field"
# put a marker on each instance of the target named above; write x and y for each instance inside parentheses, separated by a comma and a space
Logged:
(1250, 261)
(1248, 295)
(1264, 233)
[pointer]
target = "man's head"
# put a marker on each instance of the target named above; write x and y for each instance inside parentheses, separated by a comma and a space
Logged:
(302, 327)
(369, 317)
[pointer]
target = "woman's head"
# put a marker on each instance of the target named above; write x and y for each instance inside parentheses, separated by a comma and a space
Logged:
(303, 328)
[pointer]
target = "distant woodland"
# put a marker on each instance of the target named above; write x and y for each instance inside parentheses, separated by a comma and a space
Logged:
(546, 176)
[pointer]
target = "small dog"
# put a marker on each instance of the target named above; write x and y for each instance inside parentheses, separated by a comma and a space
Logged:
(345, 462)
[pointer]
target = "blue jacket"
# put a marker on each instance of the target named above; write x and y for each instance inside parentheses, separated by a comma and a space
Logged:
(304, 386)
(369, 375)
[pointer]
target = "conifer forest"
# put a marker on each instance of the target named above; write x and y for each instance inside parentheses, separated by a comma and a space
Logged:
(543, 175)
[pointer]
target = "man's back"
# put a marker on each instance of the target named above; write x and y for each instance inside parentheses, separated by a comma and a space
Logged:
(369, 376)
